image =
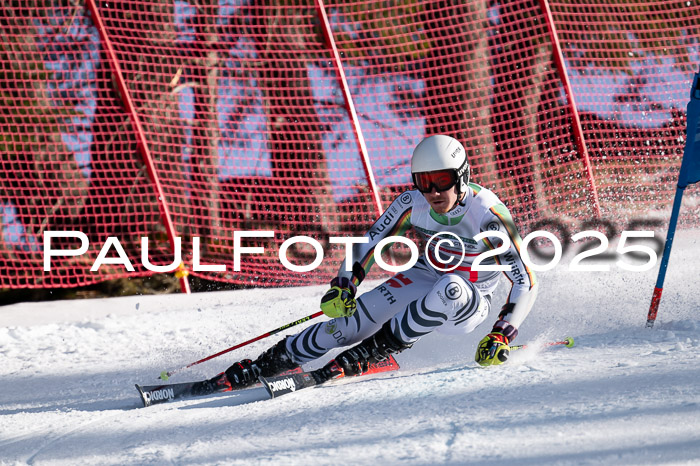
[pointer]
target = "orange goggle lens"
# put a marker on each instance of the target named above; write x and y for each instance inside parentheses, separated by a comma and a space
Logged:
(440, 180)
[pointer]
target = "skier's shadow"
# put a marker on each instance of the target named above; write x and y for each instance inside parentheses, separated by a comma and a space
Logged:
(252, 395)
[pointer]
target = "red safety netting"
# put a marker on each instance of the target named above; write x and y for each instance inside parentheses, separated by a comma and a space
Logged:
(199, 119)
(631, 65)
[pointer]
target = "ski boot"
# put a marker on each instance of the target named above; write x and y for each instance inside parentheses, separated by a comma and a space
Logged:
(273, 361)
(378, 347)
(218, 383)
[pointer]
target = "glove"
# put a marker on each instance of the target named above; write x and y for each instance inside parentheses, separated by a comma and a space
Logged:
(493, 348)
(339, 301)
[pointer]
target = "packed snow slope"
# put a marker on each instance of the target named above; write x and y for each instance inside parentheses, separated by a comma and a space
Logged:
(623, 395)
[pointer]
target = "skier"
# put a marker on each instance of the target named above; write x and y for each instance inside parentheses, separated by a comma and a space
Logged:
(426, 297)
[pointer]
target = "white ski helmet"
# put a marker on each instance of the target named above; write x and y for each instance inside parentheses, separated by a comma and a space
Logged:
(440, 152)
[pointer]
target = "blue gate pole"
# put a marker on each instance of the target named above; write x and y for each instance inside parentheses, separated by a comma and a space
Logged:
(689, 173)
(658, 289)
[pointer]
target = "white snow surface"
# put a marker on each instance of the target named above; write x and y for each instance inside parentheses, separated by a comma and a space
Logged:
(624, 394)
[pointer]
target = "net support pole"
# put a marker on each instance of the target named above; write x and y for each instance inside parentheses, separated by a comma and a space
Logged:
(575, 118)
(140, 134)
(349, 105)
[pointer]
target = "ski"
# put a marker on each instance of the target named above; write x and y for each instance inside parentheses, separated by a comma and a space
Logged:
(157, 394)
(284, 384)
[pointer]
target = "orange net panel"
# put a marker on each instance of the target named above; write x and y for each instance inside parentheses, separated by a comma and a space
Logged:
(240, 107)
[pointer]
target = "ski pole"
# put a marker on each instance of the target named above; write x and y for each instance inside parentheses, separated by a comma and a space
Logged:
(568, 342)
(165, 375)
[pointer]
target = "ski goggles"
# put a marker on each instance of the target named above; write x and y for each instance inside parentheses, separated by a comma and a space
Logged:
(441, 180)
